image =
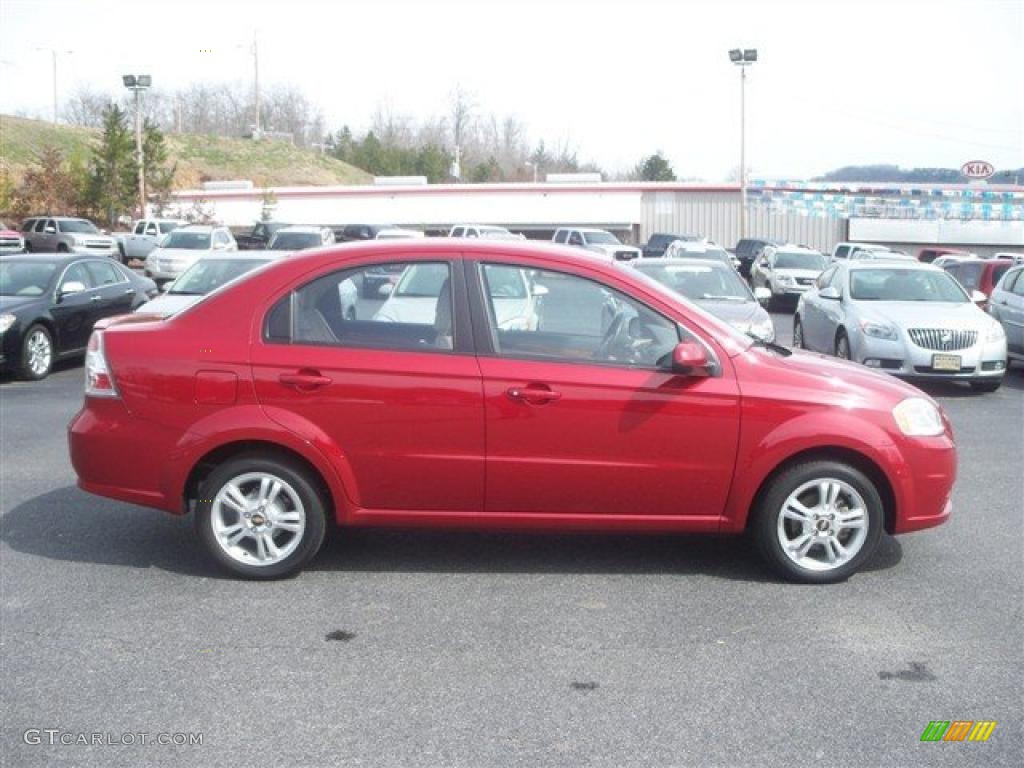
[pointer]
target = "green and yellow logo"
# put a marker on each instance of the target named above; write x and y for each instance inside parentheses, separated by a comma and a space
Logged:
(958, 730)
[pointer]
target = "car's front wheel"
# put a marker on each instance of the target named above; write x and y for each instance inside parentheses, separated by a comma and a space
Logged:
(818, 521)
(261, 517)
(798, 334)
(37, 353)
(842, 345)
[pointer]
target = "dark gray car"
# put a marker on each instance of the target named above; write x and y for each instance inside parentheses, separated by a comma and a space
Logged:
(1006, 304)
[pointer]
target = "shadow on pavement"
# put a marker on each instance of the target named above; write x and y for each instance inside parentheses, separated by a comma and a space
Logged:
(69, 525)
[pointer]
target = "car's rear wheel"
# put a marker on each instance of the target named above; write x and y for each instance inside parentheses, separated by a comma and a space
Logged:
(986, 386)
(37, 353)
(818, 522)
(842, 345)
(798, 333)
(61, 248)
(261, 517)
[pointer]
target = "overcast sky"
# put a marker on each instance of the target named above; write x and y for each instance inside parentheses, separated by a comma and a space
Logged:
(931, 83)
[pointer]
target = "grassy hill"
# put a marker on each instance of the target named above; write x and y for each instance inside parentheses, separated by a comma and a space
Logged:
(199, 158)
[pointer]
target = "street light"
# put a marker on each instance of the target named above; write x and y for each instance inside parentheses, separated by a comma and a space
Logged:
(137, 84)
(743, 58)
(53, 52)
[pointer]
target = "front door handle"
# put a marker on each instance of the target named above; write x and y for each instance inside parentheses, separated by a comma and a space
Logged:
(304, 381)
(533, 394)
(96, 298)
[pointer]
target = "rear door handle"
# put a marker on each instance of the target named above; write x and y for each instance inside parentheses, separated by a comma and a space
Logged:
(534, 395)
(304, 381)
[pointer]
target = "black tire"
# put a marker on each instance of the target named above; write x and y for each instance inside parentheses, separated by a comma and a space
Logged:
(28, 247)
(842, 349)
(304, 484)
(987, 386)
(798, 333)
(25, 369)
(765, 519)
(120, 253)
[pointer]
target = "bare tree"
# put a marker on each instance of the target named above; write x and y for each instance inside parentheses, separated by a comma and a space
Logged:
(85, 107)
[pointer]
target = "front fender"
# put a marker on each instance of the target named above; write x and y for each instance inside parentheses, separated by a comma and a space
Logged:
(762, 452)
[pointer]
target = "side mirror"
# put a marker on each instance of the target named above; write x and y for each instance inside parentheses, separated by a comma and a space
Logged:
(762, 263)
(69, 288)
(539, 290)
(51, 230)
(831, 293)
(386, 289)
(978, 297)
(762, 294)
(691, 359)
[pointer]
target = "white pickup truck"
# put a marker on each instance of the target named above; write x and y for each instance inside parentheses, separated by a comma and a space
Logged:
(144, 237)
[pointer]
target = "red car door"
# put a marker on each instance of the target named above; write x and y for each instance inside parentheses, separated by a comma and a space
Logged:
(390, 388)
(581, 418)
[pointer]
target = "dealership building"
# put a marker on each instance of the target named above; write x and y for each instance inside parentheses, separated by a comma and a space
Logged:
(981, 218)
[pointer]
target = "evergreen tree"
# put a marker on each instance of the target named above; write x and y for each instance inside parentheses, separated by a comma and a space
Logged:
(113, 173)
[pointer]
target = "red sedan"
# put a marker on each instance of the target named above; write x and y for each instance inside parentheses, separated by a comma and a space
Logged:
(497, 385)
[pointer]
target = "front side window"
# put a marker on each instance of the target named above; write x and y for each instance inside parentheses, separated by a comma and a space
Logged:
(575, 238)
(545, 315)
(842, 251)
(41, 225)
(560, 236)
(104, 273)
(140, 228)
(970, 276)
(401, 306)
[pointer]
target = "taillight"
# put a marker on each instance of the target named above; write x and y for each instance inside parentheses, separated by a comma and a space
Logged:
(99, 382)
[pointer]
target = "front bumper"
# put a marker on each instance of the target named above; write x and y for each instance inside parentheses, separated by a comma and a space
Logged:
(901, 357)
(781, 290)
(84, 250)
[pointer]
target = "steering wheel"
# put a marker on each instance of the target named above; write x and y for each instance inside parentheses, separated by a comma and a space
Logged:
(615, 336)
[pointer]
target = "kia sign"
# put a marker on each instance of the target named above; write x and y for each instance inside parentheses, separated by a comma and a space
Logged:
(977, 169)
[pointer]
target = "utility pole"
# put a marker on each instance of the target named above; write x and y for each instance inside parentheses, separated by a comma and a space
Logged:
(743, 58)
(53, 54)
(138, 84)
(256, 79)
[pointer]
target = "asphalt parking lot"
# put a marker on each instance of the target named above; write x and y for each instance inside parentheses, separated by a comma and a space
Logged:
(434, 649)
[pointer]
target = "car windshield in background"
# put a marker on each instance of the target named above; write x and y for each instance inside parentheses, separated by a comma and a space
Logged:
(189, 241)
(209, 274)
(168, 226)
(77, 225)
(294, 241)
(25, 278)
(422, 280)
(904, 285)
(699, 283)
(711, 254)
(601, 238)
(792, 260)
(505, 282)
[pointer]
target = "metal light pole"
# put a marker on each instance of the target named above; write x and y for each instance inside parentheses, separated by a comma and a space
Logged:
(53, 53)
(743, 59)
(137, 84)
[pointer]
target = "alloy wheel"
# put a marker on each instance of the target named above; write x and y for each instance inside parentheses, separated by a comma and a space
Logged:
(40, 353)
(823, 524)
(258, 518)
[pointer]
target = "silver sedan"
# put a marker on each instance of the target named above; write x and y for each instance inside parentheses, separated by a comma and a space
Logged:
(905, 318)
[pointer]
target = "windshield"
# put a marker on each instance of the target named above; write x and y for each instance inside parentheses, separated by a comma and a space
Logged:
(77, 225)
(712, 254)
(167, 226)
(187, 240)
(699, 283)
(793, 260)
(25, 278)
(422, 280)
(294, 241)
(208, 274)
(602, 238)
(904, 285)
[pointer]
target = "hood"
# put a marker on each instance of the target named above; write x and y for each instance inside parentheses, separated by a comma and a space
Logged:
(838, 382)
(14, 303)
(168, 304)
(179, 254)
(811, 274)
(926, 314)
(734, 311)
(9, 233)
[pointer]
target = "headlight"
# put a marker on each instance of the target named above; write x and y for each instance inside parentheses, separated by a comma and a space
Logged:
(784, 280)
(6, 321)
(917, 417)
(995, 333)
(878, 330)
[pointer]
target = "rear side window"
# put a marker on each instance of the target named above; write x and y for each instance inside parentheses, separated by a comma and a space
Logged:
(77, 273)
(842, 251)
(560, 236)
(998, 272)
(400, 306)
(140, 228)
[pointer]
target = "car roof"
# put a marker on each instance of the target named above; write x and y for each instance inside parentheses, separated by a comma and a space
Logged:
(902, 263)
(199, 227)
(244, 256)
(311, 229)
